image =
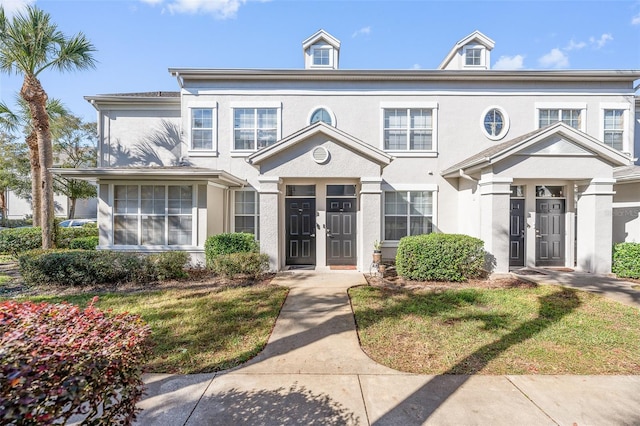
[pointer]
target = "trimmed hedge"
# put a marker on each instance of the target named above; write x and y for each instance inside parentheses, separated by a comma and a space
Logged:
(88, 267)
(251, 264)
(17, 240)
(58, 360)
(237, 242)
(84, 243)
(440, 257)
(626, 260)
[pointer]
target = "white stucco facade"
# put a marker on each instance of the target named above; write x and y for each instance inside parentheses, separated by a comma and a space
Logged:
(320, 162)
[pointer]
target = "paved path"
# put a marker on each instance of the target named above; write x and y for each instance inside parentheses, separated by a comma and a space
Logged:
(313, 372)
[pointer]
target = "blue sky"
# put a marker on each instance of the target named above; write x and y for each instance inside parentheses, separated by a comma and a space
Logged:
(137, 40)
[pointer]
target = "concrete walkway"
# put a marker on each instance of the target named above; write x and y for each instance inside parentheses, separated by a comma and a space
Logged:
(313, 372)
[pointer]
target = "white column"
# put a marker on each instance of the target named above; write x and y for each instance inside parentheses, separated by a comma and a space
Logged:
(494, 220)
(595, 225)
(269, 220)
(370, 224)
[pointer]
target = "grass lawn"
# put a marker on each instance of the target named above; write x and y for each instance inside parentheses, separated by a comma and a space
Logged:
(197, 330)
(538, 330)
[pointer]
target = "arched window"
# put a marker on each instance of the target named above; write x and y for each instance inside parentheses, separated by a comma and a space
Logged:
(322, 114)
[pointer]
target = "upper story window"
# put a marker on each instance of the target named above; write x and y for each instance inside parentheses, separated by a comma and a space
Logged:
(495, 123)
(570, 117)
(473, 56)
(408, 129)
(322, 56)
(614, 128)
(322, 114)
(202, 128)
(255, 128)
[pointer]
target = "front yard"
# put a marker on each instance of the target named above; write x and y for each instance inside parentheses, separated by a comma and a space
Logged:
(526, 329)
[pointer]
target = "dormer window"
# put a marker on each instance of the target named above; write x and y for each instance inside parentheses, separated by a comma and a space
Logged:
(322, 56)
(473, 56)
(321, 51)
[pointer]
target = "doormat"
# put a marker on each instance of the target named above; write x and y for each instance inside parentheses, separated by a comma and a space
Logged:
(343, 267)
(527, 272)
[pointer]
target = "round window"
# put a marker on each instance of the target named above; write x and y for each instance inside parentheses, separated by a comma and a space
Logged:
(495, 123)
(321, 114)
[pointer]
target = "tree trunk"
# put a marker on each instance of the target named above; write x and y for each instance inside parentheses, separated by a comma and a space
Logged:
(36, 194)
(3, 205)
(72, 208)
(35, 96)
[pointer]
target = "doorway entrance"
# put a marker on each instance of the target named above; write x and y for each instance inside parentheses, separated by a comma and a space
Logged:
(301, 231)
(341, 231)
(550, 232)
(516, 232)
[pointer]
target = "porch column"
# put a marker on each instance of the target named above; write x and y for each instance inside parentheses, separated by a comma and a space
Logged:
(370, 226)
(595, 226)
(494, 220)
(269, 223)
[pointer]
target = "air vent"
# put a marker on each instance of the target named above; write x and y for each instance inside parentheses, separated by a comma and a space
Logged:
(320, 154)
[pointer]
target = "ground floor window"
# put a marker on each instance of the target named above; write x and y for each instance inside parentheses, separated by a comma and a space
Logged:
(153, 215)
(407, 213)
(246, 212)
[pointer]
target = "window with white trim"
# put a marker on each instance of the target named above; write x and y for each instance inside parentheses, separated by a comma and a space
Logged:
(614, 128)
(254, 128)
(153, 215)
(202, 129)
(495, 123)
(473, 56)
(246, 212)
(321, 56)
(407, 213)
(570, 117)
(408, 129)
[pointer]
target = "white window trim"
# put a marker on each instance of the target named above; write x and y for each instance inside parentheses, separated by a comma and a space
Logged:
(315, 47)
(505, 124)
(433, 106)
(482, 56)
(256, 216)
(326, 108)
(627, 146)
(213, 152)
(582, 106)
(194, 216)
(432, 187)
(236, 105)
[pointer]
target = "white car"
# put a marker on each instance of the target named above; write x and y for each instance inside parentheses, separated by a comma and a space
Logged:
(75, 223)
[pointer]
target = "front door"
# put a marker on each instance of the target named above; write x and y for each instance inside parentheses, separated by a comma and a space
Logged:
(341, 231)
(516, 233)
(550, 232)
(301, 231)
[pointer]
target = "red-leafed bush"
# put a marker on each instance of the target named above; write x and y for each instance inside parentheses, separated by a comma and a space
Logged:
(57, 360)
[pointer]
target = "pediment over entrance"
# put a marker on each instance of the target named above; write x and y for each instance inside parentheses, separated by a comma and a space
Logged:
(320, 150)
(548, 152)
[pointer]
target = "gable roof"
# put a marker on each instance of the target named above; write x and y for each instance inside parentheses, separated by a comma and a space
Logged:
(474, 37)
(321, 35)
(342, 138)
(627, 174)
(522, 144)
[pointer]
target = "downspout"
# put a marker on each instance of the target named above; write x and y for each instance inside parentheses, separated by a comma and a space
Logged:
(180, 79)
(99, 131)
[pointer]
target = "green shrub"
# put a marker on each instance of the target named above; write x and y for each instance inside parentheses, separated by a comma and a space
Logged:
(82, 267)
(59, 360)
(626, 260)
(64, 236)
(238, 242)
(251, 264)
(168, 265)
(17, 240)
(440, 257)
(84, 243)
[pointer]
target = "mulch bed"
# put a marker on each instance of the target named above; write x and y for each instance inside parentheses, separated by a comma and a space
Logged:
(391, 280)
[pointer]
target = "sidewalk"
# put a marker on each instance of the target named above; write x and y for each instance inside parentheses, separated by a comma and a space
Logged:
(313, 372)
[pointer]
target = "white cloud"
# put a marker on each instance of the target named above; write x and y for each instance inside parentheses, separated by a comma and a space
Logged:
(509, 63)
(12, 7)
(575, 45)
(554, 59)
(364, 31)
(635, 20)
(221, 9)
(600, 42)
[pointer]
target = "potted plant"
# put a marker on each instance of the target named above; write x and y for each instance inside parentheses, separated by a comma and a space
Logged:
(377, 251)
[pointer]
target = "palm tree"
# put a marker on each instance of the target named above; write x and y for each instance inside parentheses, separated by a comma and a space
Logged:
(29, 44)
(12, 121)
